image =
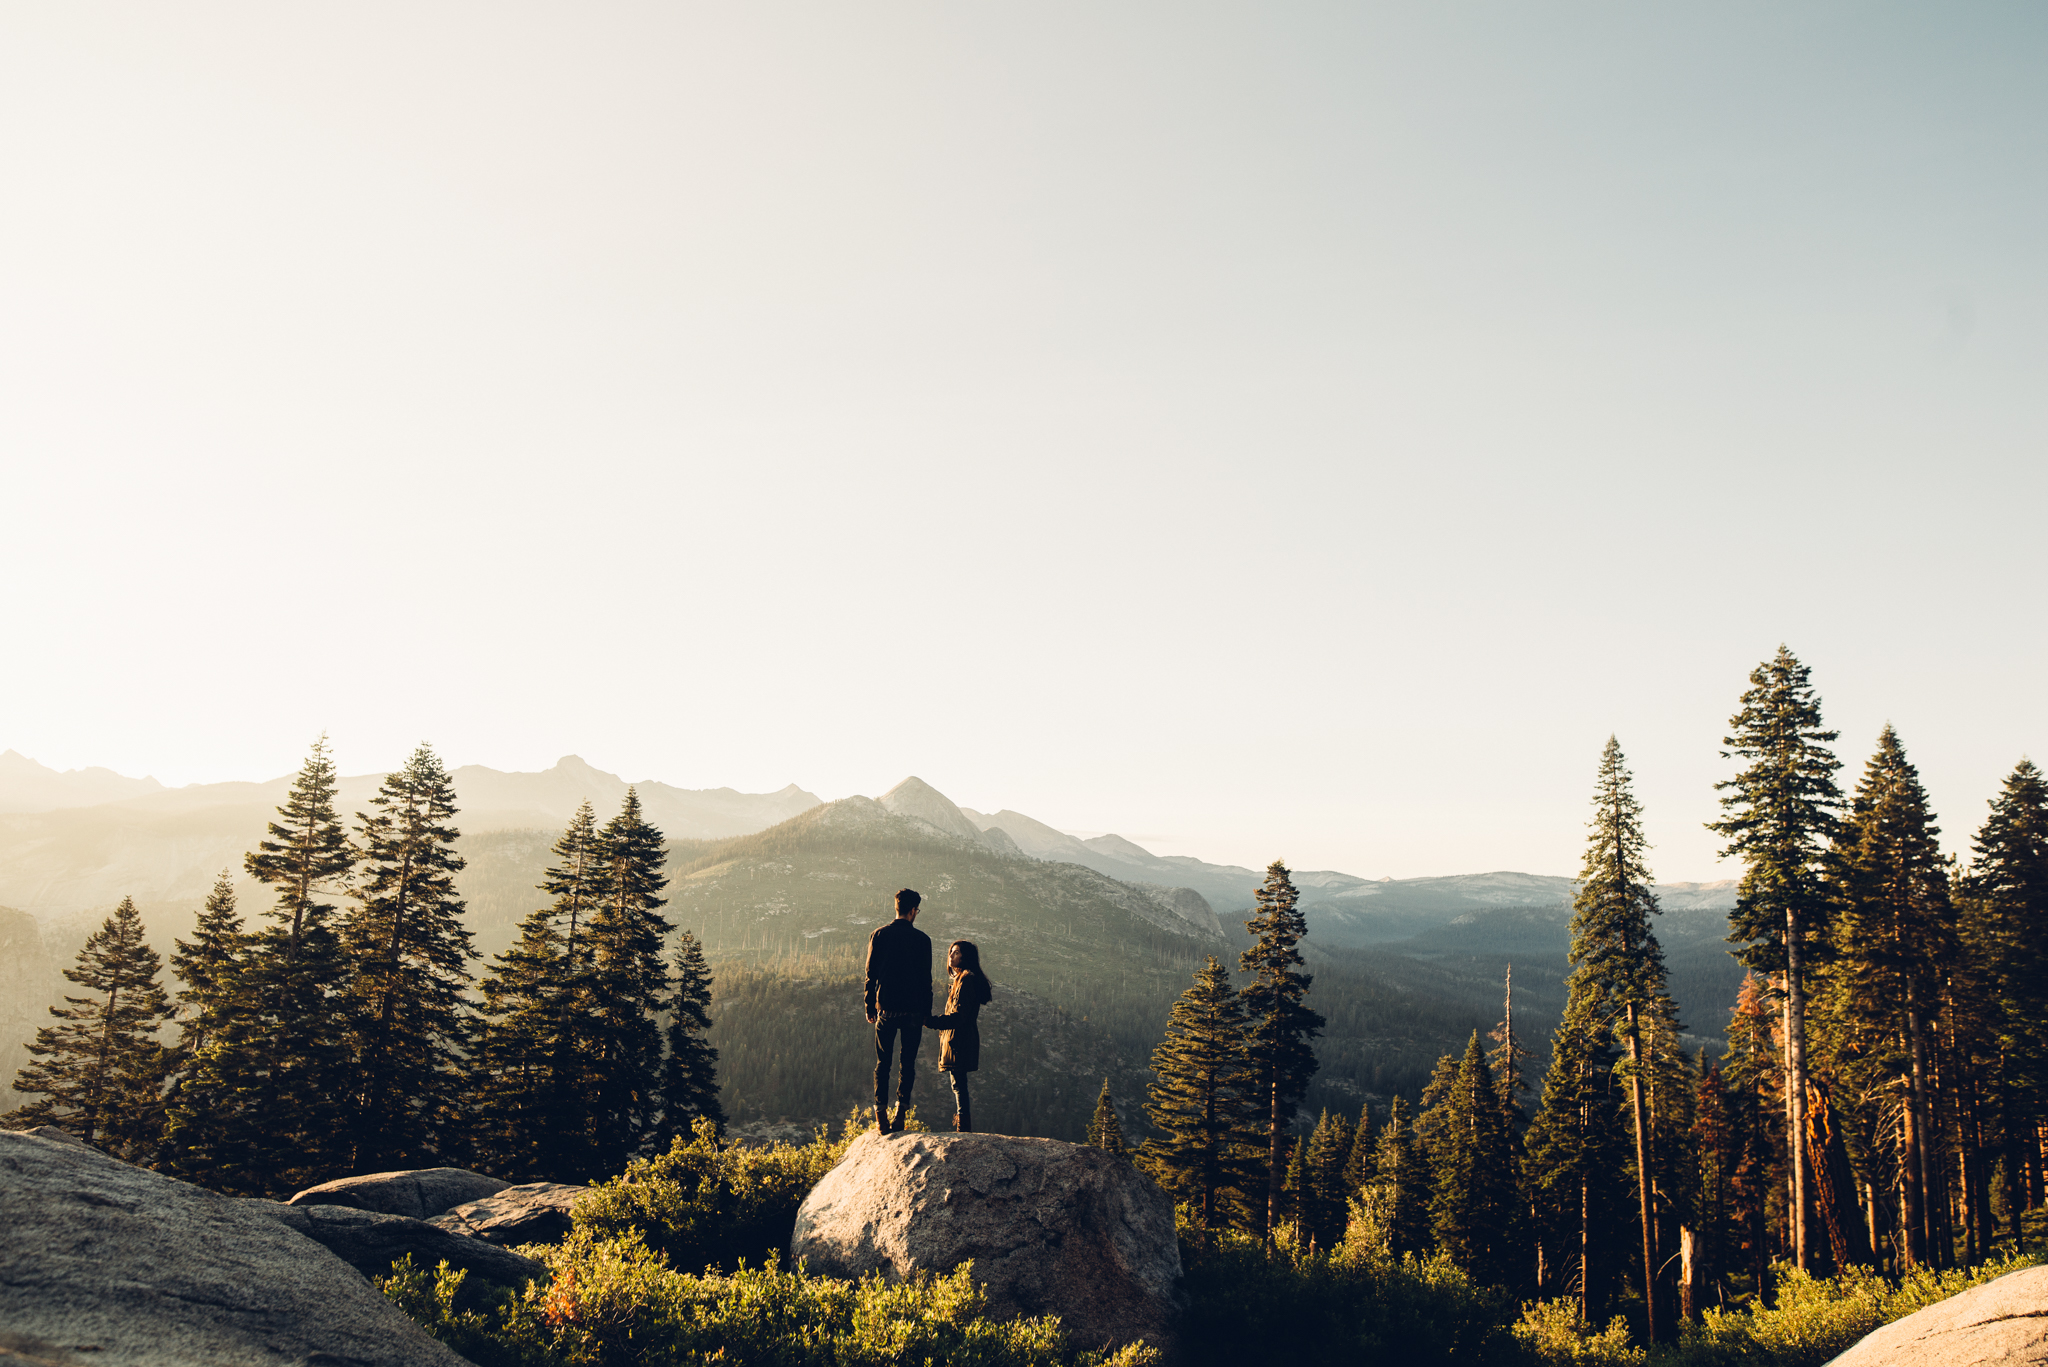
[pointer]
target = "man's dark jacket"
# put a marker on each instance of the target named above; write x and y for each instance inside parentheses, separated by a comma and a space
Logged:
(900, 971)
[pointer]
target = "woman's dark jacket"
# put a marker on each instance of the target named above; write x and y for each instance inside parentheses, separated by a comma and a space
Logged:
(959, 1029)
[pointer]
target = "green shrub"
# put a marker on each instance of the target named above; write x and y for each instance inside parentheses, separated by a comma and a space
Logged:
(1810, 1320)
(613, 1302)
(1250, 1305)
(1549, 1332)
(710, 1204)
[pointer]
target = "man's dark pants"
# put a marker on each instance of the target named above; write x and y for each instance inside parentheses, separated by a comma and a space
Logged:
(889, 1029)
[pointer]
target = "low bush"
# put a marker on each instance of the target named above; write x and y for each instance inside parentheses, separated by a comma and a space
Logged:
(706, 1203)
(1250, 1305)
(614, 1302)
(1807, 1322)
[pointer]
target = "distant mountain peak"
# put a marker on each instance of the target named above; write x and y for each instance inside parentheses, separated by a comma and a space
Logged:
(27, 786)
(914, 797)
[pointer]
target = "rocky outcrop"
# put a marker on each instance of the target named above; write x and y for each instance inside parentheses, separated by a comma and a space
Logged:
(418, 1193)
(111, 1265)
(370, 1243)
(2003, 1322)
(1052, 1228)
(537, 1212)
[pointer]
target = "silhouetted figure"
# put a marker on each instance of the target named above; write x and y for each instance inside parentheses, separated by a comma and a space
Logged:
(960, 1028)
(899, 997)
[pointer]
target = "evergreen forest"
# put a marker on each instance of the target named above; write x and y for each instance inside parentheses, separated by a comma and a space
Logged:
(1571, 1164)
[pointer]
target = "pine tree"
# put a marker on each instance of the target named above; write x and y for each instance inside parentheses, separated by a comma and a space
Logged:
(629, 987)
(1753, 1088)
(1781, 817)
(689, 1085)
(100, 1071)
(1619, 964)
(210, 966)
(533, 1076)
(1576, 1160)
(533, 1079)
(1897, 944)
(2007, 934)
(307, 853)
(1472, 1189)
(1280, 1025)
(1324, 1202)
(1360, 1161)
(261, 1109)
(1105, 1131)
(407, 953)
(1203, 1100)
(1401, 1184)
(1715, 1145)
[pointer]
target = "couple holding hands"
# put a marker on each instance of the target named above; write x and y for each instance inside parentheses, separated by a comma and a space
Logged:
(899, 1006)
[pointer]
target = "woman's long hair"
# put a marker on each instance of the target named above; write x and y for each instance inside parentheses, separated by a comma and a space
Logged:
(972, 979)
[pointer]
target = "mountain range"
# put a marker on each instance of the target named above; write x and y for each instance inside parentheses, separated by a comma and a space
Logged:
(1096, 936)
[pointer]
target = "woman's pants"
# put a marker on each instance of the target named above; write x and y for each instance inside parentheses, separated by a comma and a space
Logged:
(963, 1103)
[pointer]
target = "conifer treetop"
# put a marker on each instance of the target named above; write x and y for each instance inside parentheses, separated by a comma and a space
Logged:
(1780, 811)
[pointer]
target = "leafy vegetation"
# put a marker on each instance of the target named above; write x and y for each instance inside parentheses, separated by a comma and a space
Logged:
(1810, 1320)
(612, 1302)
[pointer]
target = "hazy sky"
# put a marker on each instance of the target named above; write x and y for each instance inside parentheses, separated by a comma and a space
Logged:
(1298, 430)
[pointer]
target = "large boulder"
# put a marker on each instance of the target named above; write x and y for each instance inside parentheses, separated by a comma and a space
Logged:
(417, 1193)
(2004, 1321)
(535, 1213)
(1052, 1228)
(104, 1263)
(370, 1243)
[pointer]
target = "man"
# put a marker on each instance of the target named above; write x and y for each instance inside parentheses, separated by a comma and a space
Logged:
(899, 996)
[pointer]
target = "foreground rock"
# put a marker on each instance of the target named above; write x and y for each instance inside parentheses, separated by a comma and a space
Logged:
(536, 1213)
(2003, 1322)
(107, 1264)
(417, 1193)
(370, 1243)
(1052, 1228)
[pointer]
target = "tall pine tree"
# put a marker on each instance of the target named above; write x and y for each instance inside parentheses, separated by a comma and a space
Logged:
(689, 1076)
(1897, 945)
(1401, 1185)
(1324, 1203)
(2007, 933)
(535, 1080)
(1204, 1101)
(1618, 963)
(1280, 1024)
(1473, 1203)
(407, 953)
(630, 985)
(261, 1112)
(1780, 820)
(100, 1070)
(210, 966)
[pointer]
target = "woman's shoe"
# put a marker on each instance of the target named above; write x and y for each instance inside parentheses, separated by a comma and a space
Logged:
(963, 1123)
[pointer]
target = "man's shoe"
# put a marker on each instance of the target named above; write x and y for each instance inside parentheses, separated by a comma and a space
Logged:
(902, 1110)
(963, 1123)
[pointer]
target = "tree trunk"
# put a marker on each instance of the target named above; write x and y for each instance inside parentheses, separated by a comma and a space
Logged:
(1912, 1227)
(1927, 1221)
(1635, 1054)
(1795, 1083)
(1691, 1274)
(1273, 1173)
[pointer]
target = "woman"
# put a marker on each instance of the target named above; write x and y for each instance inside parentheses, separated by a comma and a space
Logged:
(959, 1030)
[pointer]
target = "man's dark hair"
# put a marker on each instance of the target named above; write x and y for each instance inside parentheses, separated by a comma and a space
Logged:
(907, 900)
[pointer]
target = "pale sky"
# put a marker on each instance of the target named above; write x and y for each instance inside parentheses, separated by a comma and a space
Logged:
(1264, 430)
